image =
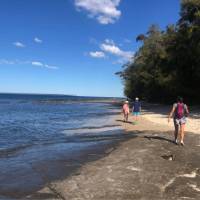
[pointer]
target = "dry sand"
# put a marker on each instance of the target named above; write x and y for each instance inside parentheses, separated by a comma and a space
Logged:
(159, 115)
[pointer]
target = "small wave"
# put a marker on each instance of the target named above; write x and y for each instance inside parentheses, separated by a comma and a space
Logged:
(93, 127)
(10, 151)
(94, 130)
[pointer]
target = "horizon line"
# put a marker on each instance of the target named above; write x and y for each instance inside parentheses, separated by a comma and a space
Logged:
(54, 94)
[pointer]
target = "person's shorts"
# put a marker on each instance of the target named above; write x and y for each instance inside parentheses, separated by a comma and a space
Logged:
(180, 121)
(136, 113)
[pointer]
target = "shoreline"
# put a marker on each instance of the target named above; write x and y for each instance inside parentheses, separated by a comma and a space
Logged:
(148, 166)
(108, 170)
(77, 150)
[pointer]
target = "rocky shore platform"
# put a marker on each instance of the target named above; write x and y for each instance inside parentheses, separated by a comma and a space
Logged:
(147, 166)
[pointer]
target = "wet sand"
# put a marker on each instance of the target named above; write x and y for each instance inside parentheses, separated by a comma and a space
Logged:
(147, 166)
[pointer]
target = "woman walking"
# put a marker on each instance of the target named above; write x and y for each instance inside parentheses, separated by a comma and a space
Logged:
(125, 110)
(179, 112)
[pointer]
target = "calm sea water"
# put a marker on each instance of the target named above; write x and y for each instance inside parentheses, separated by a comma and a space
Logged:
(40, 134)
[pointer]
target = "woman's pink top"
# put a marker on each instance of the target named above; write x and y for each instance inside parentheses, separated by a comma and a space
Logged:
(126, 108)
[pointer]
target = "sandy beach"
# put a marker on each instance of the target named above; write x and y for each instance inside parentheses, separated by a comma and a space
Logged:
(147, 166)
(158, 114)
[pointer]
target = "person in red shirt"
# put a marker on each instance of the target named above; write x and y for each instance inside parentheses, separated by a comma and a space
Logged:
(179, 113)
(125, 110)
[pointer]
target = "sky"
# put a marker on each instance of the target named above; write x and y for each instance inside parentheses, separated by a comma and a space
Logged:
(73, 46)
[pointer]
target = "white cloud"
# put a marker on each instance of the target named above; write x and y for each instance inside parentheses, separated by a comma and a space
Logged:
(109, 41)
(19, 44)
(40, 64)
(37, 40)
(13, 62)
(37, 63)
(97, 54)
(105, 11)
(110, 47)
(24, 62)
(51, 66)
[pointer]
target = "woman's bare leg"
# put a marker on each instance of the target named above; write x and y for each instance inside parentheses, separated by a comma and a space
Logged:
(182, 132)
(126, 117)
(176, 131)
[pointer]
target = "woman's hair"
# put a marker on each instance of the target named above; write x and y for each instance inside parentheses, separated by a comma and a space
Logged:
(180, 99)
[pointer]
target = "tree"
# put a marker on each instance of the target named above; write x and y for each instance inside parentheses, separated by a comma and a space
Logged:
(168, 62)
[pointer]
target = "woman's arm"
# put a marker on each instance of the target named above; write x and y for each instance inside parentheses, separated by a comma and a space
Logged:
(171, 113)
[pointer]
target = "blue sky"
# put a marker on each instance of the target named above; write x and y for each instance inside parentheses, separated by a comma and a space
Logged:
(73, 46)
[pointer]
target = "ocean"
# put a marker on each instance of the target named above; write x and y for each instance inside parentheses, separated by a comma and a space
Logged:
(44, 138)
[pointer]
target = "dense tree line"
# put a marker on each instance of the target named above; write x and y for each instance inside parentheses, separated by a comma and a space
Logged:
(167, 63)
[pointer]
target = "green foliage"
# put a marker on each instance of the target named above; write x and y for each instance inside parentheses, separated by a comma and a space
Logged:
(168, 62)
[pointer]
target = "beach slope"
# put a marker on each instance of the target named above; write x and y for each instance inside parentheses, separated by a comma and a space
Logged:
(148, 166)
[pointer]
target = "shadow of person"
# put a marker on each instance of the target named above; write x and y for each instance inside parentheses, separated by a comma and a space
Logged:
(158, 138)
(119, 120)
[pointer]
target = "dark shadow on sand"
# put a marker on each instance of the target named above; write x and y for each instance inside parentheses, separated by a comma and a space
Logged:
(128, 122)
(158, 138)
